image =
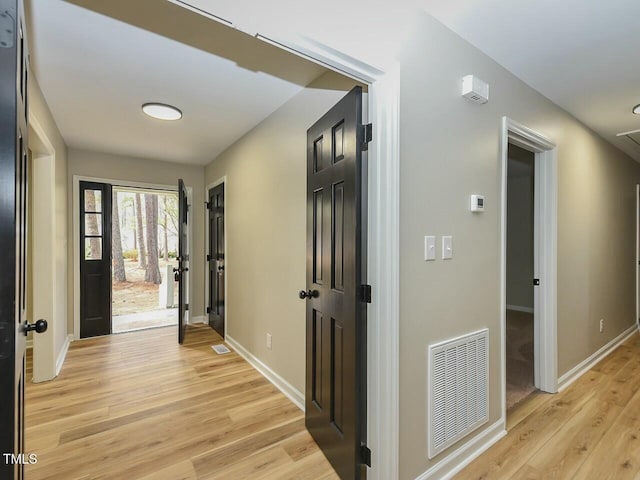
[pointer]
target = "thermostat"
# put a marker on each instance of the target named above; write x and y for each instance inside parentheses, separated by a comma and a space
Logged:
(477, 203)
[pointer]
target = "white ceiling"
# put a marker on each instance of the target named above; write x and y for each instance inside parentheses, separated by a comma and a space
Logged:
(581, 54)
(97, 70)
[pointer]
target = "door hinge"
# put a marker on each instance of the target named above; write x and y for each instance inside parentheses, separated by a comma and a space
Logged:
(365, 455)
(208, 258)
(365, 293)
(207, 205)
(536, 282)
(208, 310)
(186, 307)
(367, 135)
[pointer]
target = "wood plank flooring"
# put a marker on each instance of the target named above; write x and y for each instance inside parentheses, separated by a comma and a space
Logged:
(138, 406)
(589, 431)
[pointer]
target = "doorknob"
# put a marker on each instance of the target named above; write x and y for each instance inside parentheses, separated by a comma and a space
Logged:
(39, 327)
(308, 294)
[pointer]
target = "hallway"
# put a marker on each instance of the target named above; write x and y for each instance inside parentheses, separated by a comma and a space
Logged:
(137, 405)
(589, 431)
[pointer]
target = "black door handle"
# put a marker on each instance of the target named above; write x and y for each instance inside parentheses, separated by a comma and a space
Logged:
(221, 268)
(39, 327)
(308, 294)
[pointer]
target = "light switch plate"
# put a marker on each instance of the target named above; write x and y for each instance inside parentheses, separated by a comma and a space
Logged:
(447, 247)
(430, 247)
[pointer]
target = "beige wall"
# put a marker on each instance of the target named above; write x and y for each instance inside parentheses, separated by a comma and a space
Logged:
(49, 164)
(450, 149)
(520, 231)
(266, 228)
(115, 167)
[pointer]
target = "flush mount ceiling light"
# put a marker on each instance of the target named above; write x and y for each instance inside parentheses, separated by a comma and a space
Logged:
(636, 109)
(162, 111)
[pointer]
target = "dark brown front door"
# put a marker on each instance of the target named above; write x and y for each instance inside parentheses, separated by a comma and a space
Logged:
(95, 259)
(183, 260)
(335, 412)
(13, 238)
(216, 259)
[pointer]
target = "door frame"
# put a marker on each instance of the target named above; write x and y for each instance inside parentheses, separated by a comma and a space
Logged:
(207, 234)
(545, 254)
(76, 237)
(383, 233)
(42, 230)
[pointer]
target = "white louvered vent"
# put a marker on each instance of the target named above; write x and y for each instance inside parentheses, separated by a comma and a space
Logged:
(458, 387)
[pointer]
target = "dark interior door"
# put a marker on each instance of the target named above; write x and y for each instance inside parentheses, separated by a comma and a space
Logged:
(95, 259)
(335, 413)
(183, 260)
(13, 234)
(216, 259)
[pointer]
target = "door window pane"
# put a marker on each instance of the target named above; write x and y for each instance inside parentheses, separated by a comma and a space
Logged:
(93, 248)
(93, 201)
(93, 224)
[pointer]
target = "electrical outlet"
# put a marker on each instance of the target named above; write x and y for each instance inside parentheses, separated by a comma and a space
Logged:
(269, 341)
(601, 325)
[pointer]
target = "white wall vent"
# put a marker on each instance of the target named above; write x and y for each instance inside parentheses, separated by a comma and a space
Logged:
(458, 389)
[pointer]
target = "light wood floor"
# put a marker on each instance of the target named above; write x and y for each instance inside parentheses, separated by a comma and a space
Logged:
(138, 406)
(589, 431)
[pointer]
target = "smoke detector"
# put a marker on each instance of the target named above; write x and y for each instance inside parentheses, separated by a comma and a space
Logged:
(475, 90)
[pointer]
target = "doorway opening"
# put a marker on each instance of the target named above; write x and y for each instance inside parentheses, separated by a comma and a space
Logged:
(122, 288)
(529, 264)
(144, 253)
(520, 275)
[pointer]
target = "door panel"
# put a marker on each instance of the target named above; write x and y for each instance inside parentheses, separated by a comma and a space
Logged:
(216, 259)
(336, 335)
(13, 232)
(95, 259)
(183, 260)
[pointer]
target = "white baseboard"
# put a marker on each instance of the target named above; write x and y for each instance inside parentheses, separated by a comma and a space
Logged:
(587, 364)
(517, 308)
(63, 353)
(199, 319)
(453, 463)
(292, 393)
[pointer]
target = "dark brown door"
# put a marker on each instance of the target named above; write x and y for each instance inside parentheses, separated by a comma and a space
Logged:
(335, 411)
(183, 260)
(216, 259)
(13, 237)
(95, 259)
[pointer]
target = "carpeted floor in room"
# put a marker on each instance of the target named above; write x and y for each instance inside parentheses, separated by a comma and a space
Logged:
(519, 356)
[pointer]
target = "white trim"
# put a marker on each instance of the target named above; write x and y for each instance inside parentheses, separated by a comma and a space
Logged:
(292, 393)
(75, 212)
(220, 181)
(453, 463)
(588, 363)
(198, 319)
(545, 254)
(518, 308)
(45, 298)
(63, 353)
(383, 322)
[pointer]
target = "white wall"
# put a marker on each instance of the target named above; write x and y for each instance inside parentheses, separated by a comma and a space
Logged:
(450, 149)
